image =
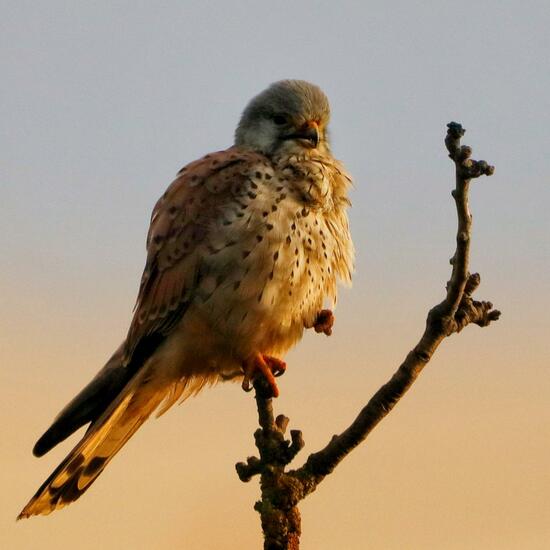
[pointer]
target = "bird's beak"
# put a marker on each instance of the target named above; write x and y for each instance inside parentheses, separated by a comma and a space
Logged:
(308, 134)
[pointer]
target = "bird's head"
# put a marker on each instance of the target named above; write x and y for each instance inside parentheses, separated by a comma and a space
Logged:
(289, 117)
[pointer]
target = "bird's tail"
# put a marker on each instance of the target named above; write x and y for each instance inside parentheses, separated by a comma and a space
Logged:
(104, 438)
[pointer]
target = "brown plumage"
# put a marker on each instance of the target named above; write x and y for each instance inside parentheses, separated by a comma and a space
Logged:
(244, 248)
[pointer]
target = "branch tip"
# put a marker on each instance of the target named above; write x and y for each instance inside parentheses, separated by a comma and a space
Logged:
(282, 423)
(247, 470)
(474, 280)
(297, 443)
(456, 130)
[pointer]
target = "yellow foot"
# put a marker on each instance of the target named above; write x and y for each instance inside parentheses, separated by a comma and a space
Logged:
(269, 367)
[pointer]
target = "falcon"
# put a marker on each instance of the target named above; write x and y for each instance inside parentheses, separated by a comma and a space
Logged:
(244, 248)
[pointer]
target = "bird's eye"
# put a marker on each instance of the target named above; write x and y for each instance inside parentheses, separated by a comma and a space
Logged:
(279, 120)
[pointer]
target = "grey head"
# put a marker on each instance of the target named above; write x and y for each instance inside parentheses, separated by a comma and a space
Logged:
(289, 117)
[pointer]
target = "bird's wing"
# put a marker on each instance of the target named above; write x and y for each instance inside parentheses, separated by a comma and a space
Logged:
(179, 236)
(88, 404)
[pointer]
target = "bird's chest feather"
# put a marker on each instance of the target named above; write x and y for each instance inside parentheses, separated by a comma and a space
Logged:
(275, 253)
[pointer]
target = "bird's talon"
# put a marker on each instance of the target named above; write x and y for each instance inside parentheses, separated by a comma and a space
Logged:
(324, 322)
(277, 366)
(246, 384)
(267, 366)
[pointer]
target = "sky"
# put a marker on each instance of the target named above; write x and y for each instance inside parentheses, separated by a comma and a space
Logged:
(103, 102)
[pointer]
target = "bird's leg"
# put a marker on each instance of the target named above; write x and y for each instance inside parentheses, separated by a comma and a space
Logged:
(324, 322)
(267, 366)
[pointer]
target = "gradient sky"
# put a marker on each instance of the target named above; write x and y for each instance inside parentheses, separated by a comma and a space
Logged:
(101, 104)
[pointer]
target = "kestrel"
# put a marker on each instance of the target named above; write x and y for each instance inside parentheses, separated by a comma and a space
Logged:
(244, 248)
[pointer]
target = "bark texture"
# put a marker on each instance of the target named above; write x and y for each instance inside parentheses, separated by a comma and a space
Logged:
(282, 490)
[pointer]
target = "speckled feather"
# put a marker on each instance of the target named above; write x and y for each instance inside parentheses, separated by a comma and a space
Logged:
(250, 242)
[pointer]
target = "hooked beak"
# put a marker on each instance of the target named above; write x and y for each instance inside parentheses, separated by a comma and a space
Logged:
(308, 134)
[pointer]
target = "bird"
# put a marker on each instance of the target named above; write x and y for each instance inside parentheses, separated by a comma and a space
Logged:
(244, 249)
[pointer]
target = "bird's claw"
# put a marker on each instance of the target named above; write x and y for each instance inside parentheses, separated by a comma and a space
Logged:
(276, 365)
(269, 367)
(324, 322)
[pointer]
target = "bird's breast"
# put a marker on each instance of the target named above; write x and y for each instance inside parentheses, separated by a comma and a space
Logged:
(272, 258)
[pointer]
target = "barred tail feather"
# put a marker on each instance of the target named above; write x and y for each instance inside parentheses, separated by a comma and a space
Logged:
(104, 438)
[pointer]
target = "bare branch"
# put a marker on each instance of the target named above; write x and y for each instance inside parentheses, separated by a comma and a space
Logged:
(282, 491)
(455, 312)
(465, 169)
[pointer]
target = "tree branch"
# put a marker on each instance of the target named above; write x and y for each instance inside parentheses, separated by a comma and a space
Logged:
(282, 491)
